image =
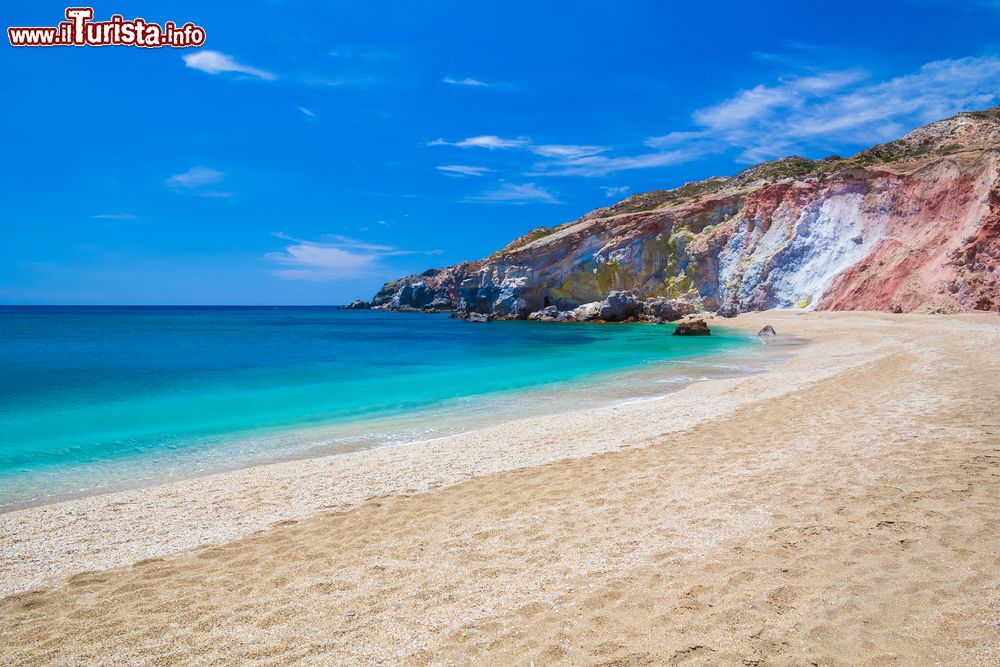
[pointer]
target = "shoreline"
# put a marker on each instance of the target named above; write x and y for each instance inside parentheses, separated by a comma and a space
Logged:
(848, 492)
(294, 443)
(104, 530)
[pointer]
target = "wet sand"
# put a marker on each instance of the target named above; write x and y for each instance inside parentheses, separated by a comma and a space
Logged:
(838, 509)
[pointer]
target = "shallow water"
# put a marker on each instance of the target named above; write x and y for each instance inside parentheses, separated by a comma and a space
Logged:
(100, 398)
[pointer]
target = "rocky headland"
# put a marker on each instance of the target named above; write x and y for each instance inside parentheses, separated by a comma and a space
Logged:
(912, 225)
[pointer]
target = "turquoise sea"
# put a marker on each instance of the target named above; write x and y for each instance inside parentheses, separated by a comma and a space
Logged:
(99, 398)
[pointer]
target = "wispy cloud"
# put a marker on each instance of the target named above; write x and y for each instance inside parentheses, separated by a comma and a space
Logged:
(510, 193)
(674, 139)
(818, 112)
(571, 159)
(332, 258)
(601, 165)
(214, 62)
(614, 190)
(307, 112)
(196, 177)
(490, 141)
(115, 216)
(342, 81)
(195, 180)
(567, 151)
(844, 107)
(751, 104)
(465, 81)
(463, 170)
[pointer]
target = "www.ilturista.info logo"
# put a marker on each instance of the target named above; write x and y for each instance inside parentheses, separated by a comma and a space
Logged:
(80, 30)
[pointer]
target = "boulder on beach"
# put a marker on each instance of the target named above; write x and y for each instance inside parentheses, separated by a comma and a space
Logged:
(553, 314)
(727, 311)
(547, 314)
(586, 312)
(768, 330)
(660, 309)
(692, 328)
(618, 306)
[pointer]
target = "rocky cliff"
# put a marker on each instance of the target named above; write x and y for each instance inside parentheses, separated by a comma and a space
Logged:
(911, 225)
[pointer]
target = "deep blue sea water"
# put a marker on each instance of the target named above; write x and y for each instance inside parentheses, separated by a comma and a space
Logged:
(96, 398)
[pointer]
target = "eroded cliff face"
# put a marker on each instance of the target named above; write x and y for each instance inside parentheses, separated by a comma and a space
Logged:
(913, 225)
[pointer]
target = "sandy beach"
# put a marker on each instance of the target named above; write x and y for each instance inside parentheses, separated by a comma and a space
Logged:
(839, 509)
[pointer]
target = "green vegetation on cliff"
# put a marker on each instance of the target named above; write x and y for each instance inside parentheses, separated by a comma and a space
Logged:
(647, 201)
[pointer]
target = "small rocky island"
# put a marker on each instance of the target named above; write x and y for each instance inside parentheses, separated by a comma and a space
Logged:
(692, 328)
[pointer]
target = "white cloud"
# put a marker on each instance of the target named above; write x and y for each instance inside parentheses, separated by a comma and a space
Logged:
(115, 216)
(463, 170)
(307, 112)
(195, 179)
(751, 104)
(820, 112)
(466, 81)
(489, 141)
(213, 62)
(615, 190)
(334, 258)
(311, 261)
(510, 193)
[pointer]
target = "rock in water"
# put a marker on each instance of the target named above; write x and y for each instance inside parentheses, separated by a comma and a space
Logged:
(768, 330)
(357, 304)
(692, 328)
(478, 317)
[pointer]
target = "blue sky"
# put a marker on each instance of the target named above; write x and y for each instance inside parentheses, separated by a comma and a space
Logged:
(310, 151)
